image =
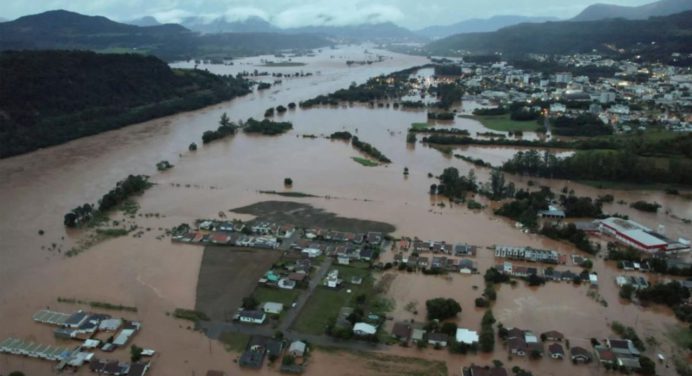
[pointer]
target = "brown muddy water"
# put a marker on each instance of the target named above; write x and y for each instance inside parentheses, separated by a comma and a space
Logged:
(157, 276)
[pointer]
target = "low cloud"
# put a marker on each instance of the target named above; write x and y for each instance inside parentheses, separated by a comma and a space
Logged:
(243, 13)
(346, 14)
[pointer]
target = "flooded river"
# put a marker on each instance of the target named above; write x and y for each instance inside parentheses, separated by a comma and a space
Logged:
(157, 276)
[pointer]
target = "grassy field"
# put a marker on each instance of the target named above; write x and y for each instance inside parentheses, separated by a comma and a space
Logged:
(365, 162)
(234, 342)
(277, 295)
(283, 64)
(419, 126)
(325, 303)
(376, 363)
(505, 124)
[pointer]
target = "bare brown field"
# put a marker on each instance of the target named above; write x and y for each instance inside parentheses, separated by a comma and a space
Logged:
(305, 215)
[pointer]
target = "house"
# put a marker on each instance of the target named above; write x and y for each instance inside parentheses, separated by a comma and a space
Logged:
(311, 252)
(517, 346)
(464, 250)
(356, 280)
(556, 351)
(423, 262)
(286, 284)
(343, 260)
(252, 316)
(367, 254)
(374, 238)
(252, 358)
(580, 355)
(631, 363)
(593, 279)
(475, 370)
(466, 266)
(622, 347)
(402, 331)
(297, 276)
(364, 329)
(552, 213)
(466, 336)
(438, 339)
(417, 335)
(606, 356)
(297, 349)
(272, 308)
(332, 279)
(552, 335)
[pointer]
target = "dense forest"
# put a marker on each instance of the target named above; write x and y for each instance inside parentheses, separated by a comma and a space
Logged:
(655, 37)
(620, 165)
(50, 97)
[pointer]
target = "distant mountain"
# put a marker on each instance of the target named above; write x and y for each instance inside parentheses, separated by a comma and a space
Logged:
(220, 25)
(659, 8)
(144, 21)
(62, 29)
(477, 25)
(382, 32)
(657, 36)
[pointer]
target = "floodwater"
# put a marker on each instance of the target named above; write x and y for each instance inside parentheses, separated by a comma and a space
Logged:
(157, 276)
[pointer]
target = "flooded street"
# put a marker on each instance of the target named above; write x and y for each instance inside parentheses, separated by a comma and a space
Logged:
(157, 276)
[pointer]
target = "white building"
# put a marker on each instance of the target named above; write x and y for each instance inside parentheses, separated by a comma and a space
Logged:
(466, 336)
(364, 329)
(272, 308)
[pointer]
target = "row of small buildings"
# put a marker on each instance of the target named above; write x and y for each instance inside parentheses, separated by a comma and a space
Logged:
(81, 326)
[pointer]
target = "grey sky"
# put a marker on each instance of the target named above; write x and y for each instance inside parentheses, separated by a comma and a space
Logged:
(288, 13)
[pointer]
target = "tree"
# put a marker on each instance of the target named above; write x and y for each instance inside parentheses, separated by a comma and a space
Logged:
(288, 360)
(626, 291)
(192, 147)
(288, 181)
(441, 308)
(449, 328)
(224, 121)
(135, 353)
(648, 367)
(250, 302)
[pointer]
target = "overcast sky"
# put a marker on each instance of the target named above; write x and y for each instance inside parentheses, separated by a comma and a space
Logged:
(289, 13)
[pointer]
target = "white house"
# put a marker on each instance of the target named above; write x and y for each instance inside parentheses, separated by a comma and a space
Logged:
(252, 317)
(312, 252)
(297, 348)
(333, 280)
(364, 329)
(272, 308)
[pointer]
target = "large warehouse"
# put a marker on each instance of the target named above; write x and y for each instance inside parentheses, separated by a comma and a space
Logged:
(634, 234)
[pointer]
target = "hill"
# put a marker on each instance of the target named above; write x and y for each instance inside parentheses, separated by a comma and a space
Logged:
(652, 38)
(51, 97)
(477, 25)
(144, 21)
(655, 9)
(68, 30)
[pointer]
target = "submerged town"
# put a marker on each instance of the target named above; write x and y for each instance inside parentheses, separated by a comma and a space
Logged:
(355, 210)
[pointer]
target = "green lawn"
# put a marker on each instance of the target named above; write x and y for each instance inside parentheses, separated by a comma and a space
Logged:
(325, 303)
(322, 307)
(234, 342)
(505, 124)
(365, 162)
(419, 126)
(277, 295)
